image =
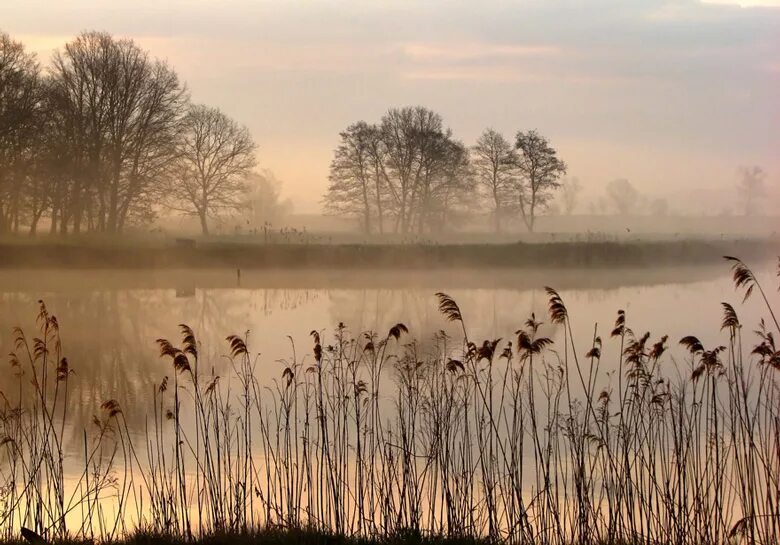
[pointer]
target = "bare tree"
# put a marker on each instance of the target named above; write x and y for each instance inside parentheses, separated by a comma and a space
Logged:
(353, 189)
(404, 169)
(454, 195)
(539, 170)
(263, 203)
(409, 136)
(623, 195)
(495, 163)
(20, 128)
(570, 194)
(752, 188)
(215, 156)
(120, 111)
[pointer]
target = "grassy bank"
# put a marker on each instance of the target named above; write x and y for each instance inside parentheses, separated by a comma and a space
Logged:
(120, 254)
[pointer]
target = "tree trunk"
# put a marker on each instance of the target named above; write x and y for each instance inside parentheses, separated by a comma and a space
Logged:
(497, 218)
(34, 225)
(53, 226)
(77, 217)
(378, 202)
(63, 224)
(366, 211)
(496, 200)
(204, 223)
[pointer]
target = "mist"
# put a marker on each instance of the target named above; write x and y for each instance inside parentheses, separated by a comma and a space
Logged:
(389, 273)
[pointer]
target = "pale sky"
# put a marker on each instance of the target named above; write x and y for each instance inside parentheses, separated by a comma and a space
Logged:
(673, 95)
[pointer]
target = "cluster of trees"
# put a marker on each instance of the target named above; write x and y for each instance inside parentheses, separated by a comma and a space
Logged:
(106, 136)
(263, 205)
(408, 174)
(752, 188)
(624, 199)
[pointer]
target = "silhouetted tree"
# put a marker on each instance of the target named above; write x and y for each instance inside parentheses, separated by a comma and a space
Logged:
(539, 170)
(495, 164)
(354, 188)
(120, 113)
(623, 195)
(20, 128)
(408, 168)
(412, 139)
(215, 156)
(263, 204)
(451, 194)
(752, 188)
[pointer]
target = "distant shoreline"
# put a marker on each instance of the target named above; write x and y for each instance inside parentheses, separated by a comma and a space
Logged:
(219, 254)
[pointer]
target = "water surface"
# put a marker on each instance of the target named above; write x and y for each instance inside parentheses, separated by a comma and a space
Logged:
(110, 319)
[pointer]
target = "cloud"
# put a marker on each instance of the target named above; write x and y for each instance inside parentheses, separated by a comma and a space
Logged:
(473, 51)
(746, 3)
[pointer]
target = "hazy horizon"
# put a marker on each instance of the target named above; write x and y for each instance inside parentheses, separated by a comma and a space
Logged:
(673, 96)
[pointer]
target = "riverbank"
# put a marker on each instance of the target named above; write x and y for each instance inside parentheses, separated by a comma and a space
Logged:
(191, 254)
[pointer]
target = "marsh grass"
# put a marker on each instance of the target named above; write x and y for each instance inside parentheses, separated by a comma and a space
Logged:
(374, 437)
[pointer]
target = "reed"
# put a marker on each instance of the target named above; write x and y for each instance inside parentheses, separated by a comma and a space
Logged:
(375, 437)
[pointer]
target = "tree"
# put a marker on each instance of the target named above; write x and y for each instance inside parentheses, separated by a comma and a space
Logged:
(412, 144)
(495, 162)
(408, 168)
(354, 184)
(623, 195)
(451, 194)
(570, 193)
(215, 156)
(752, 188)
(119, 113)
(539, 170)
(263, 205)
(20, 128)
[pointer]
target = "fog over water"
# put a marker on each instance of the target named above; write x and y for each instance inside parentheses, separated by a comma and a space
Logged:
(390, 270)
(110, 320)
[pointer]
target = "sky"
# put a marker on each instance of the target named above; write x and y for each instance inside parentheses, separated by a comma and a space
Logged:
(672, 95)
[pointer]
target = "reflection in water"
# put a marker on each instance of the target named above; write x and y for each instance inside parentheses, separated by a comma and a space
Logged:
(432, 440)
(109, 334)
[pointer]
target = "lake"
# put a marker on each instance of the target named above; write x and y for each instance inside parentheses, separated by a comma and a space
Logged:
(110, 319)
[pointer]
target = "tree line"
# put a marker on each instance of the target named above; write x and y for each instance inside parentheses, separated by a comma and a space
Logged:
(408, 174)
(106, 136)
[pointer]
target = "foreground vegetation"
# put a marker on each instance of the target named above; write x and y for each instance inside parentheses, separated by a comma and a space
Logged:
(375, 437)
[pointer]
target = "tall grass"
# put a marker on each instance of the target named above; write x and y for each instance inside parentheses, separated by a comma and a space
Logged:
(370, 435)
